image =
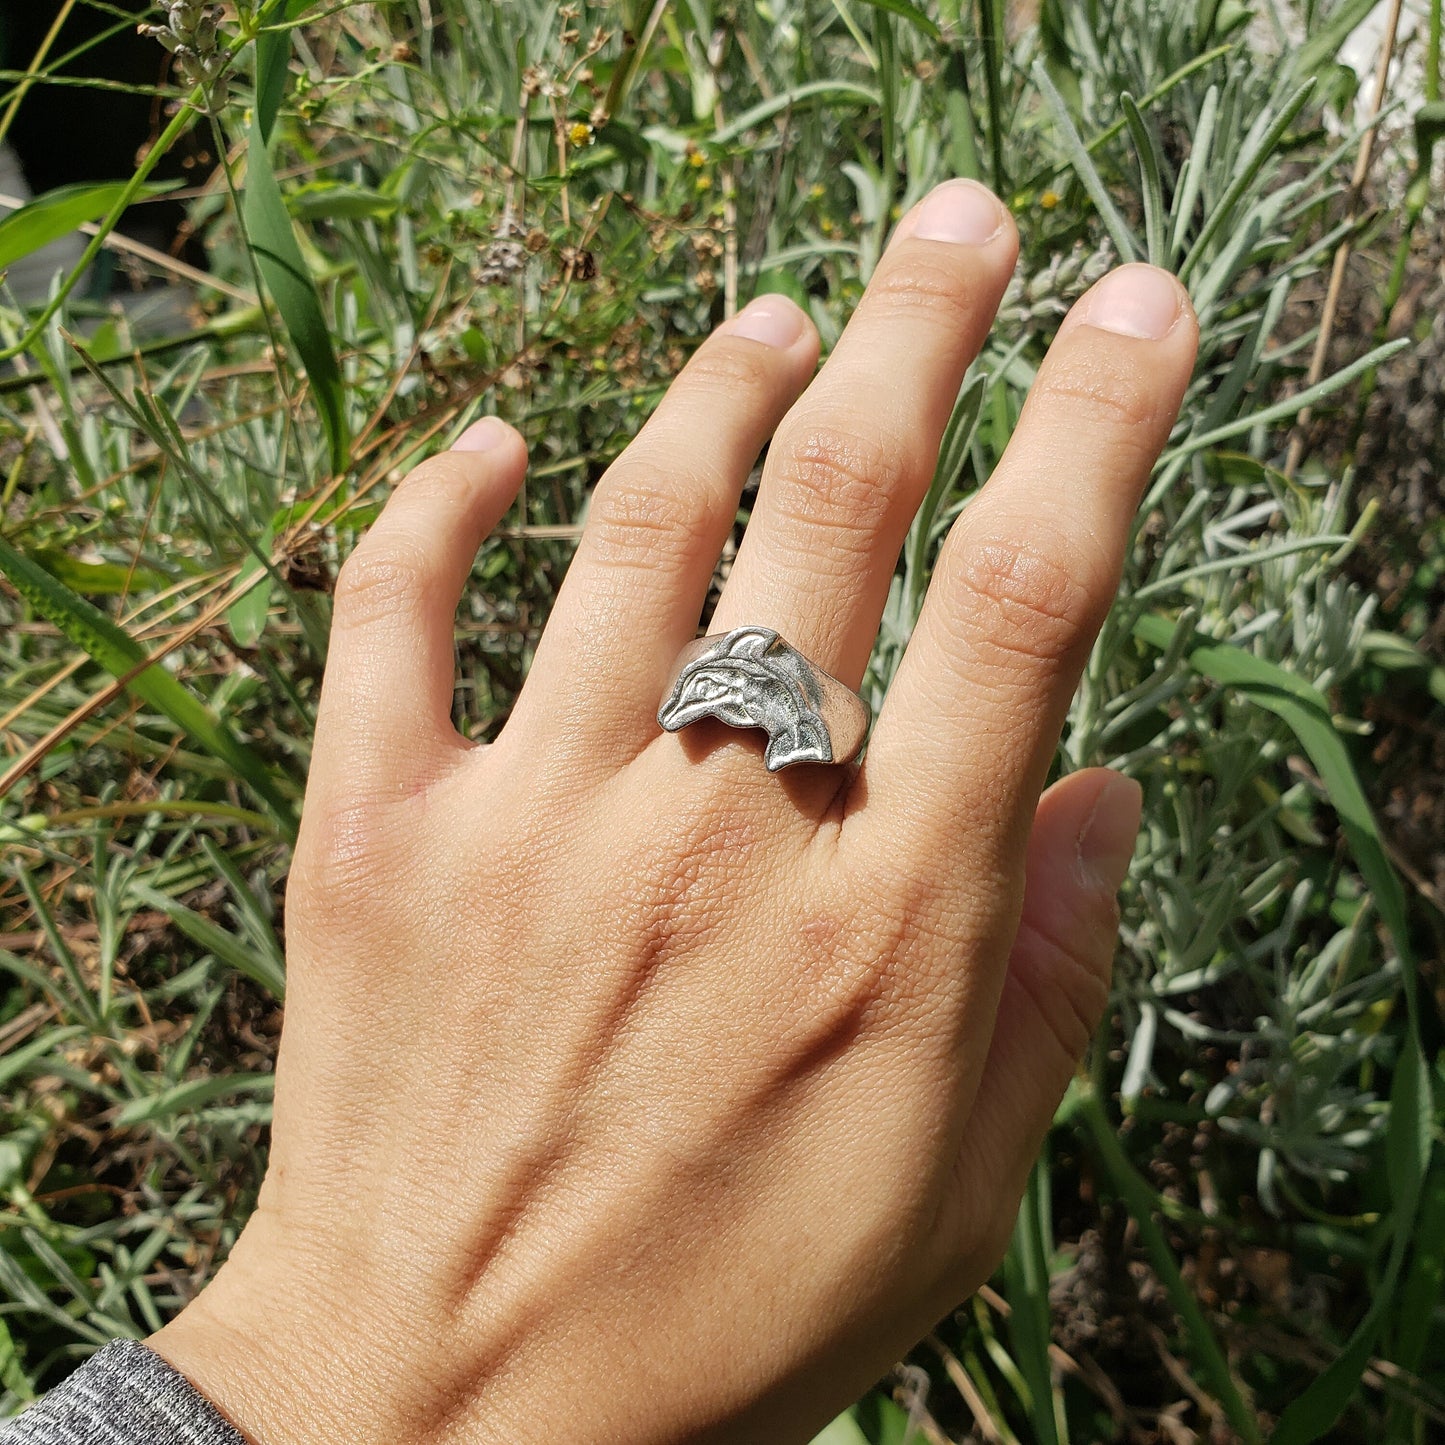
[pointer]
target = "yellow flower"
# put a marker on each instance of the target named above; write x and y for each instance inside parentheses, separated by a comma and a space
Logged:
(1049, 200)
(580, 134)
(696, 159)
(703, 183)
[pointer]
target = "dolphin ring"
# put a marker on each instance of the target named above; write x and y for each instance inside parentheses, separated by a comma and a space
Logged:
(751, 678)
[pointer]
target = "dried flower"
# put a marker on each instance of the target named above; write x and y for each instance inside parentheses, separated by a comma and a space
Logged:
(507, 254)
(501, 261)
(192, 34)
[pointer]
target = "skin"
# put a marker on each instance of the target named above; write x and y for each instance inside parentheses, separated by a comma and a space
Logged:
(631, 1094)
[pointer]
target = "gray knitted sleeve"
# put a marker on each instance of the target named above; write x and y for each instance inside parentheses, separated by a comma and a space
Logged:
(124, 1395)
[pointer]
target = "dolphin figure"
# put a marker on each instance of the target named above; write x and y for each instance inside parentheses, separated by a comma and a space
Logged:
(751, 678)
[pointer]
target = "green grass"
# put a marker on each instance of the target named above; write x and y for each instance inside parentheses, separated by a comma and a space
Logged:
(537, 211)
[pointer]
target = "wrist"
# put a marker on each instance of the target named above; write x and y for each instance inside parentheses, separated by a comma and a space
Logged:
(287, 1362)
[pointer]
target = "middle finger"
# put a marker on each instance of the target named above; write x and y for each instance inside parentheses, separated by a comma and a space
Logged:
(852, 460)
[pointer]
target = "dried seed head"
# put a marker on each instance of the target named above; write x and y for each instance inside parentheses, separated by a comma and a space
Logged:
(192, 34)
(501, 261)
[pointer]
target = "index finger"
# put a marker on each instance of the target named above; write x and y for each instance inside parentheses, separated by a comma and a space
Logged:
(1028, 573)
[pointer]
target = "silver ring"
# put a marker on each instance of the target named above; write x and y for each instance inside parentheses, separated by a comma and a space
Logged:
(751, 678)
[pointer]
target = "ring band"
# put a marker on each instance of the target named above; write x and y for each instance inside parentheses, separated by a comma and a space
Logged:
(751, 678)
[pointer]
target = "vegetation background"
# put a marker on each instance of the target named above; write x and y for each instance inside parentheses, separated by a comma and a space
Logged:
(415, 212)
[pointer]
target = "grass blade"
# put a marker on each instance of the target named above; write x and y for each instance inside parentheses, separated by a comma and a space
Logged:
(1191, 173)
(271, 236)
(1078, 153)
(186, 1098)
(1291, 406)
(1250, 165)
(1027, 1274)
(1124, 240)
(911, 13)
(1150, 182)
(114, 649)
(1326, 37)
(273, 57)
(259, 965)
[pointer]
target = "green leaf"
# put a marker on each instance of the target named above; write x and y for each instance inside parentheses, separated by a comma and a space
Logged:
(1429, 127)
(1150, 170)
(1290, 406)
(1248, 165)
(98, 579)
(57, 213)
(953, 452)
(782, 281)
(1399, 654)
(1323, 44)
(12, 1373)
(798, 98)
(1312, 1414)
(1140, 1199)
(329, 201)
(1407, 1149)
(247, 617)
(272, 240)
(1425, 1286)
(910, 13)
(845, 1430)
(14, 1063)
(1026, 1273)
(256, 964)
(273, 57)
(190, 1096)
(125, 659)
(1307, 712)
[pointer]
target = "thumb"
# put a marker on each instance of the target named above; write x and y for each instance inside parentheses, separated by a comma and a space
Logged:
(1057, 984)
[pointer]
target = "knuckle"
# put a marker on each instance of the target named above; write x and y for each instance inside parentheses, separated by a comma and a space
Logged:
(1094, 390)
(1024, 600)
(449, 478)
(926, 288)
(642, 517)
(334, 869)
(834, 476)
(735, 372)
(378, 582)
(349, 838)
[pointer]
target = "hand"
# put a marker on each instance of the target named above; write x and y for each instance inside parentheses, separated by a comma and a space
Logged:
(629, 1093)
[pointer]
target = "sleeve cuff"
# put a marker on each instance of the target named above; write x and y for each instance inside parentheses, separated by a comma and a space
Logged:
(123, 1395)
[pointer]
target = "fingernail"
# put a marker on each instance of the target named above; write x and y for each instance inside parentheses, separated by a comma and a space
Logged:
(1134, 301)
(960, 211)
(1106, 843)
(482, 435)
(773, 320)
